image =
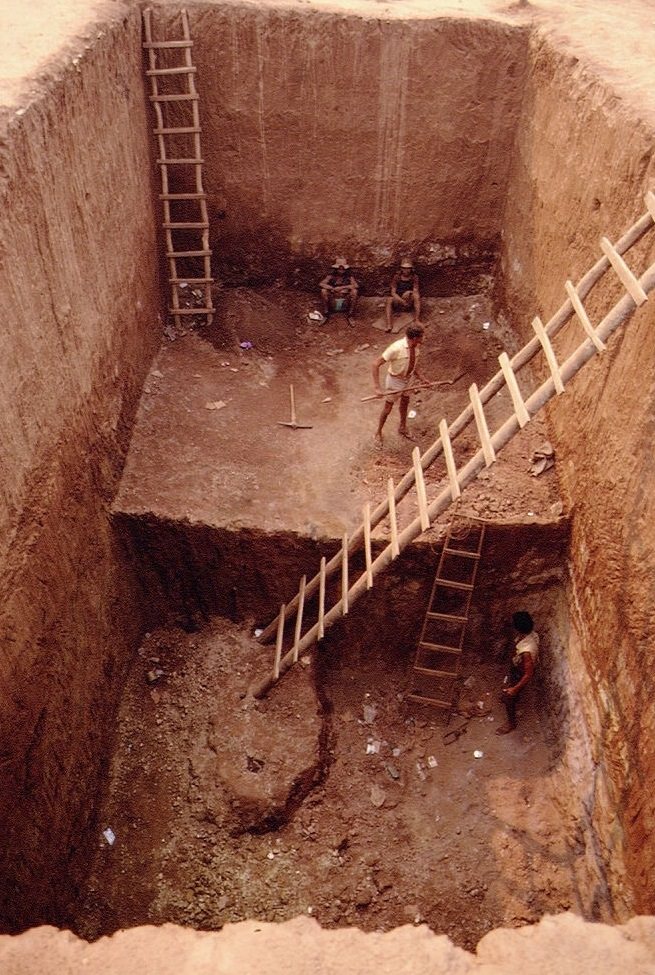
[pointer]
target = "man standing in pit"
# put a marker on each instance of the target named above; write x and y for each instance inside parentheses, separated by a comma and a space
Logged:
(339, 290)
(401, 358)
(404, 292)
(524, 658)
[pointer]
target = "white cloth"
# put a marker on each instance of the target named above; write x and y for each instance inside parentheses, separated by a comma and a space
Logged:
(527, 644)
(397, 357)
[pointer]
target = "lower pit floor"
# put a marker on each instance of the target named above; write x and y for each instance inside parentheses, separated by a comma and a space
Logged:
(351, 806)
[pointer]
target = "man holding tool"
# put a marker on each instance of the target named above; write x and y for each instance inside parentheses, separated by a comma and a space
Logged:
(401, 358)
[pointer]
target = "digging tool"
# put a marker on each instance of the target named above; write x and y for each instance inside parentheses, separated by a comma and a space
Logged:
(293, 423)
(455, 733)
(415, 389)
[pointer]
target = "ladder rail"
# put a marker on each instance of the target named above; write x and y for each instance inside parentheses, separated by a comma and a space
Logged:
(420, 666)
(621, 311)
(524, 356)
(161, 131)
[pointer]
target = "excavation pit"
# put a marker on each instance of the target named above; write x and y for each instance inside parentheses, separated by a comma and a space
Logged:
(208, 789)
(149, 487)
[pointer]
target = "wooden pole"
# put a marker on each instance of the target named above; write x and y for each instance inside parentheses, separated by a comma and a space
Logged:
(301, 607)
(580, 311)
(395, 551)
(522, 414)
(481, 423)
(421, 493)
(278, 644)
(367, 544)
(623, 272)
(553, 365)
(344, 574)
(650, 203)
(292, 397)
(321, 600)
(455, 489)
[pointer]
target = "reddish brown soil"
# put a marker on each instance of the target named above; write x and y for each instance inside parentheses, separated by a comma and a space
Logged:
(235, 466)
(225, 808)
(380, 840)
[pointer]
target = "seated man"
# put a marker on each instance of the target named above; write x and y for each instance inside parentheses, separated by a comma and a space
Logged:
(339, 290)
(404, 292)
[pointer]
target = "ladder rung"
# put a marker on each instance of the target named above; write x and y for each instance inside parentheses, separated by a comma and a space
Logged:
(440, 648)
(430, 700)
(625, 275)
(174, 98)
(462, 552)
(183, 130)
(165, 44)
(427, 671)
(180, 225)
(451, 584)
(182, 69)
(180, 162)
(447, 616)
(182, 196)
(191, 311)
(190, 280)
(188, 253)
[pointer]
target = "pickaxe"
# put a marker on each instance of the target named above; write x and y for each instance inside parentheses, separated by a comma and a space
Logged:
(293, 423)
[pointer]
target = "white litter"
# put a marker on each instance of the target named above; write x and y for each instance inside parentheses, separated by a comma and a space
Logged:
(109, 835)
(258, 632)
(412, 414)
(370, 712)
(478, 754)
(372, 747)
(432, 762)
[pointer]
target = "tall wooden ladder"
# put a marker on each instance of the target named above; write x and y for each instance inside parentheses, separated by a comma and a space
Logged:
(438, 661)
(524, 403)
(175, 99)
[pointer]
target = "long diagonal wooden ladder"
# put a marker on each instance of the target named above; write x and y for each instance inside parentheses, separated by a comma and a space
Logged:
(180, 222)
(523, 409)
(438, 661)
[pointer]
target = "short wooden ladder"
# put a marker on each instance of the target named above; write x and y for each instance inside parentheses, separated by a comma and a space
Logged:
(437, 664)
(175, 101)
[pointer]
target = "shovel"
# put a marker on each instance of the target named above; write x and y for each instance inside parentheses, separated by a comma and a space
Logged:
(415, 389)
(293, 423)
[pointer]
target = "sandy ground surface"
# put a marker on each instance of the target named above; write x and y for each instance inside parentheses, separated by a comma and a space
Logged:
(46, 33)
(381, 819)
(235, 466)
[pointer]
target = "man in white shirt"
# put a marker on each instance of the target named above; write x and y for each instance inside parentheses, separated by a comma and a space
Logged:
(524, 660)
(401, 359)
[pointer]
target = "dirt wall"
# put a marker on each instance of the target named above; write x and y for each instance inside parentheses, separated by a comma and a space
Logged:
(327, 132)
(78, 306)
(581, 165)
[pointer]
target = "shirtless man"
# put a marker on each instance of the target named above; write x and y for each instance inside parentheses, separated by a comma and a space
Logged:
(339, 290)
(404, 292)
(401, 358)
